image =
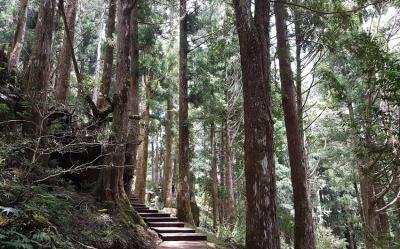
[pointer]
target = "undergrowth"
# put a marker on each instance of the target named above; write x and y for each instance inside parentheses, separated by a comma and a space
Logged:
(43, 216)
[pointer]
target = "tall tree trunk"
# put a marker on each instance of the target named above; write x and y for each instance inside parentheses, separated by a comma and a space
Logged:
(183, 202)
(110, 183)
(133, 106)
(304, 236)
(64, 68)
(108, 56)
(214, 176)
(261, 215)
(18, 36)
(157, 160)
(366, 192)
(299, 91)
(396, 140)
(397, 190)
(221, 201)
(154, 162)
(349, 235)
(100, 39)
(38, 68)
(141, 174)
(230, 200)
(139, 163)
(370, 219)
(160, 162)
(168, 165)
(383, 222)
(194, 208)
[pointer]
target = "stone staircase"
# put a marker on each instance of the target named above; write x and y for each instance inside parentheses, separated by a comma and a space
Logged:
(167, 227)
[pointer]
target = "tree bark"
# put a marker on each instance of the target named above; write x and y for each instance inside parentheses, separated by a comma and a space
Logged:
(108, 56)
(168, 165)
(261, 216)
(64, 68)
(396, 140)
(299, 90)
(304, 236)
(100, 39)
(141, 175)
(222, 185)
(111, 184)
(183, 201)
(214, 177)
(133, 106)
(230, 200)
(383, 222)
(160, 163)
(154, 162)
(19, 36)
(367, 195)
(194, 208)
(39, 68)
(366, 192)
(349, 235)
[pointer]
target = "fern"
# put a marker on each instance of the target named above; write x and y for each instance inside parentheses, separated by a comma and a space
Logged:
(16, 244)
(41, 237)
(13, 239)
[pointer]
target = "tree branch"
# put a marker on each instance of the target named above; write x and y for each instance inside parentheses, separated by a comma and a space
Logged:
(321, 12)
(70, 44)
(394, 201)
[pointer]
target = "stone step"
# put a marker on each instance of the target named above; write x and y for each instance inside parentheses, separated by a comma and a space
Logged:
(139, 205)
(173, 230)
(166, 224)
(146, 215)
(137, 202)
(146, 210)
(160, 219)
(182, 236)
(183, 244)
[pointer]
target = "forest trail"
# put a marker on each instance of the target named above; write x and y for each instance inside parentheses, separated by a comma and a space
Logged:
(183, 245)
(173, 232)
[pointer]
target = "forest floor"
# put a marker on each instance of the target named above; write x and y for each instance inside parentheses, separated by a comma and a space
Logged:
(57, 216)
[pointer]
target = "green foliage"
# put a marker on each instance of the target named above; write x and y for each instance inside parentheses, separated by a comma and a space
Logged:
(13, 239)
(7, 13)
(53, 217)
(4, 109)
(327, 240)
(354, 62)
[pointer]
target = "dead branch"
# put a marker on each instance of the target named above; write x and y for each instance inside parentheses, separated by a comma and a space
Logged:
(394, 201)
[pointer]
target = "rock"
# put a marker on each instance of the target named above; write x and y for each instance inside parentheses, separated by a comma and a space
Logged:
(10, 212)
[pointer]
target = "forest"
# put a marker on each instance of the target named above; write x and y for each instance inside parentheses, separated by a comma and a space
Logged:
(225, 124)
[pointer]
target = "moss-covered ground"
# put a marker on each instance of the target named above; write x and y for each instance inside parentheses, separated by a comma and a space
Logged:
(44, 216)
